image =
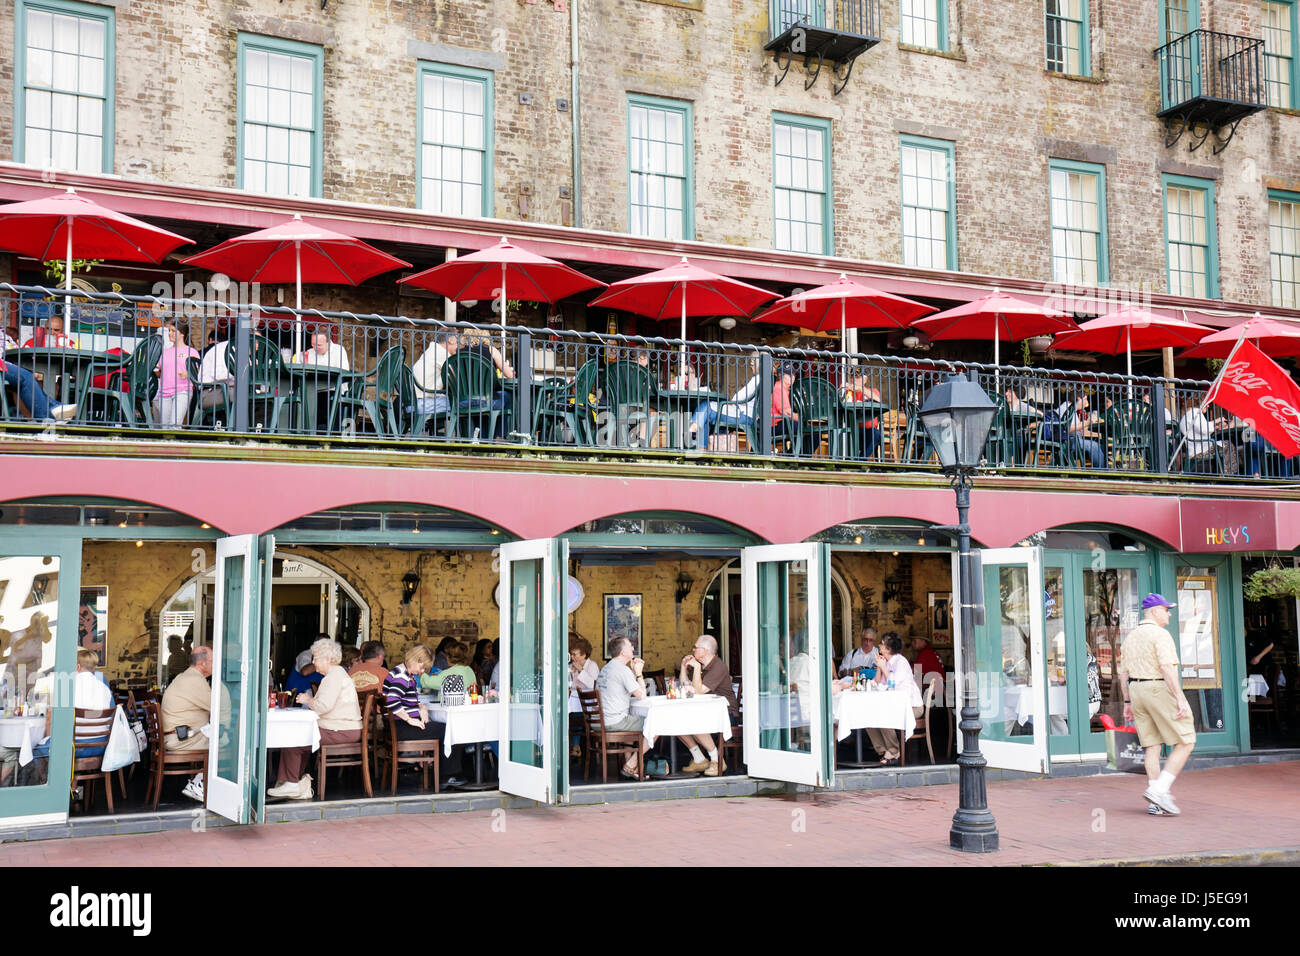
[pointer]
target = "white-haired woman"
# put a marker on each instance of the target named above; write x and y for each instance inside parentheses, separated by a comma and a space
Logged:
(336, 705)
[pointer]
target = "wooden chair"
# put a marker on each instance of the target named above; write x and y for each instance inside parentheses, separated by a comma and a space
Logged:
(163, 764)
(660, 677)
(392, 752)
(922, 730)
(608, 743)
(90, 730)
(334, 756)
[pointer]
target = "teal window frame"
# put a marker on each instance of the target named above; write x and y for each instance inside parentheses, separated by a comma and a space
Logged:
(823, 128)
(1292, 56)
(1102, 242)
(1211, 246)
(1277, 257)
(949, 151)
(686, 109)
(427, 68)
(67, 8)
(260, 43)
(1163, 34)
(1085, 52)
(940, 20)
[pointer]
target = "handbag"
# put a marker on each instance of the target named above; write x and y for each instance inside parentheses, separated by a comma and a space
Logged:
(1123, 752)
(122, 748)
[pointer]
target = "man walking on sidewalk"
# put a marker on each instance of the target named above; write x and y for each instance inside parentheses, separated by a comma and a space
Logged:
(1154, 700)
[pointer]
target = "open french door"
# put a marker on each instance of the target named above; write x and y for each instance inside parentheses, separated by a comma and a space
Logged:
(1010, 675)
(786, 660)
(534, 758)
(240, 662)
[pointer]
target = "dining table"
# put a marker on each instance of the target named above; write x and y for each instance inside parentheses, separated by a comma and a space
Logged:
(857, 418)
(861, 709)
(307, 383)
(1019, 441)
(674, 717)
(23, 733)
(292, 727)
(467, 724)
(678, 405)
(62, 371)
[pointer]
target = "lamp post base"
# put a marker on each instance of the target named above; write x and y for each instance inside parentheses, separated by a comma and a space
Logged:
(973, 832)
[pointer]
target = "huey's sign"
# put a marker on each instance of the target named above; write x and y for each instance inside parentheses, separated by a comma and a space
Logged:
(1212, 525)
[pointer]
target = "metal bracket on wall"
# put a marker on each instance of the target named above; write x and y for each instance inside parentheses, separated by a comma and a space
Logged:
(807, 63)
(789, 58)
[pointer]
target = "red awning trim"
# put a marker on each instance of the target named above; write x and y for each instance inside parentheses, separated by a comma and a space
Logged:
(243, 210)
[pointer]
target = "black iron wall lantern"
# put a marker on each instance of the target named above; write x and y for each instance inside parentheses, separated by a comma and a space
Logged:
(684, 584)
(410, 582)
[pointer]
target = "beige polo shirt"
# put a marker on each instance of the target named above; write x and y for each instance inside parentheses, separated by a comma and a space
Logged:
(186, 702)
(1147, 648)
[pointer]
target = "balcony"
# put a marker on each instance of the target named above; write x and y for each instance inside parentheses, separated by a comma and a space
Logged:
(802, 28)
(1212, 80)
(340, 382)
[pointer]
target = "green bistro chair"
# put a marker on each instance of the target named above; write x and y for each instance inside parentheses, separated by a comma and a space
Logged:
(471, 381)
(385, 409)
(554, 415)
(220, 406)
(265, 391)
(405, 420)
(118, 406)
(629, 396)
(1000, 448)
(586, 406)
(1127, 429)
(820, 416)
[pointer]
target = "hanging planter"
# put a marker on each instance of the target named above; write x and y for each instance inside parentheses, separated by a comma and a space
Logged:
(1039, 344)
(1275, 582)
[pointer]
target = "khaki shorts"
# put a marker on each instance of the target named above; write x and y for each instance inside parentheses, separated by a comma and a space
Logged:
(1153, 715)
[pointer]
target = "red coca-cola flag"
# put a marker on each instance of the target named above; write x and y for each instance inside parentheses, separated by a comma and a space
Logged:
(1260, 392)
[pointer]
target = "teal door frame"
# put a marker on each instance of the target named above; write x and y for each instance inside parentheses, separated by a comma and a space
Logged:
(65, 544)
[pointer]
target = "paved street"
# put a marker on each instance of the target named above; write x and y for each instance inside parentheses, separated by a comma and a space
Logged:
(1041, 821)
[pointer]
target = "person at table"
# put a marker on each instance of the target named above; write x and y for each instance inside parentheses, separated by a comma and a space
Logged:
(480, 342)
(483, 661)
(339, 719)
(736, 412)
(172, 406)
(706, 673)
(1021, 433)
(214, 370)
(1200, 445)
(685, 378)
(458, 664)
(430, 390)
(583, 671)
(411, 718)
(187, 706)
(30, 394)
(369, 670)
(1081, 419)
(440, 661)
(856, 390)
(89, 692)
(894, 667)
(1259, 457)
(51, 336)
(324, 352)
(864, 655)
(621, 681)
(304, 676)
(785, 420)
(926, 659)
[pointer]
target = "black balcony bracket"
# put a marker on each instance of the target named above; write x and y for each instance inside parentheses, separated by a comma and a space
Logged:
(854, 29)
(1209, 83)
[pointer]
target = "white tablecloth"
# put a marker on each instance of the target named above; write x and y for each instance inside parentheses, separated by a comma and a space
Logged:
(467, 723)
(859, 709)
(23, 733)
(675, 718)
(292, 727)
(1016, 702)
(1256, 686)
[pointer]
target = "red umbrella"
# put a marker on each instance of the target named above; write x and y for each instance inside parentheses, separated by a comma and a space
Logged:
(69, 225)
(1131, 328)
(1274, 337)
(853, 304)
(293, 251)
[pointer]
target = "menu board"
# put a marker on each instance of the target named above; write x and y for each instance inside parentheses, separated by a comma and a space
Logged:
(1198, 632)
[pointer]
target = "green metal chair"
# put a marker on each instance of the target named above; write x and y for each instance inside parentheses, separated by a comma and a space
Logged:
(820, 416)
(471, 382)
(123, 406)
(385, 410)
(265, 374)
(554, 416)
(629, 396)
(221, 406)
(586, 406)
(405, 420)
(1127, 429)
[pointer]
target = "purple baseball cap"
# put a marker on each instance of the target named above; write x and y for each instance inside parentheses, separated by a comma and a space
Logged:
(1154, 600)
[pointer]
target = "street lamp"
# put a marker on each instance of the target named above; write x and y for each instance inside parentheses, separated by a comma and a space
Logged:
(957, 416)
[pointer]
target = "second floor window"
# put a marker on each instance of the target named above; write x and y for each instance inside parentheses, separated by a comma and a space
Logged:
(1191, 243)
(64, 86)
(801, 184)
(923, 23)
(929, 229)
(1279, 53)
(660, 168)
(280, 116)
(455, 161)
(1067, 36)
(1284, 248)
(1078, 213)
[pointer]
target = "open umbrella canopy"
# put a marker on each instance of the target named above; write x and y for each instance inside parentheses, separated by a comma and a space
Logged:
(489, 273)
(296, 251)
(69, 226)
(995, 316)
(844, 303)
(1273, 337)
(681, 290)
(1131, 329)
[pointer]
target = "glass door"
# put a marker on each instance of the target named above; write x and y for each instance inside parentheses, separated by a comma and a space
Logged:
(39, 591)
(786, 661)
(534, 649)
(1206, 613)
(240, 657)
(1009, 670)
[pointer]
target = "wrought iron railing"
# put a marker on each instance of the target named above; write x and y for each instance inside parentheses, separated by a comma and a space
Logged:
(334, 378)
(1204, 65)
(857, 17)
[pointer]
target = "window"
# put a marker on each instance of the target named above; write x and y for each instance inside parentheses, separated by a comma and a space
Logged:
(455, 148)
(1190, 237)
(924, 23)
(63, 85)
(1067, 36)
(1279, 52)
(929, 203)
(280, 116)
(1078, 214)
(1178, 18)
(801, 184)
(1284, 248)
(660, 168)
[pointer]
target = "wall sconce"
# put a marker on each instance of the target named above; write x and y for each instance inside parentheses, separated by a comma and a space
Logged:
(410, 581)
(684, 584)
(893, 588)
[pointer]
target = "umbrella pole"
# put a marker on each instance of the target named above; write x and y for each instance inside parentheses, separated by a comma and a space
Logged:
(844, 348)
(1128, 352)
(681, 372)
(297, 319)
(997, 358)
(504, 302)
(67, 285)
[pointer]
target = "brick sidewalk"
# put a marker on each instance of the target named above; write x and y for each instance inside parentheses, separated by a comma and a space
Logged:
(1041, 821)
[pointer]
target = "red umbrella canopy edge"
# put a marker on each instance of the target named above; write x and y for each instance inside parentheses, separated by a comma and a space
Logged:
(683, 290)
(39, 228)
(858, 305)
(527, 276)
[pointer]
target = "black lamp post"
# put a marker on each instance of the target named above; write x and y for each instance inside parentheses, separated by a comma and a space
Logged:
(957, 416)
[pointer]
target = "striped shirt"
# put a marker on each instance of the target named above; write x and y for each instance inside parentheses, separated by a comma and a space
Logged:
(401, 693)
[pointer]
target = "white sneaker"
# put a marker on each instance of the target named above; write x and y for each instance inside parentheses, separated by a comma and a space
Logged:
(61, 413)
(1165, 801)
(194, 791)
(302, 789)
(286, 789)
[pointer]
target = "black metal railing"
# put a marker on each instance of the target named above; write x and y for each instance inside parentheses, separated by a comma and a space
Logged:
(857, 17)
(1204, 65)
(175, 369)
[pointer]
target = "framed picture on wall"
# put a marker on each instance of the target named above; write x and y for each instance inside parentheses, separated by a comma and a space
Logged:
(939, 604)
(623, 619)
(92, 621)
